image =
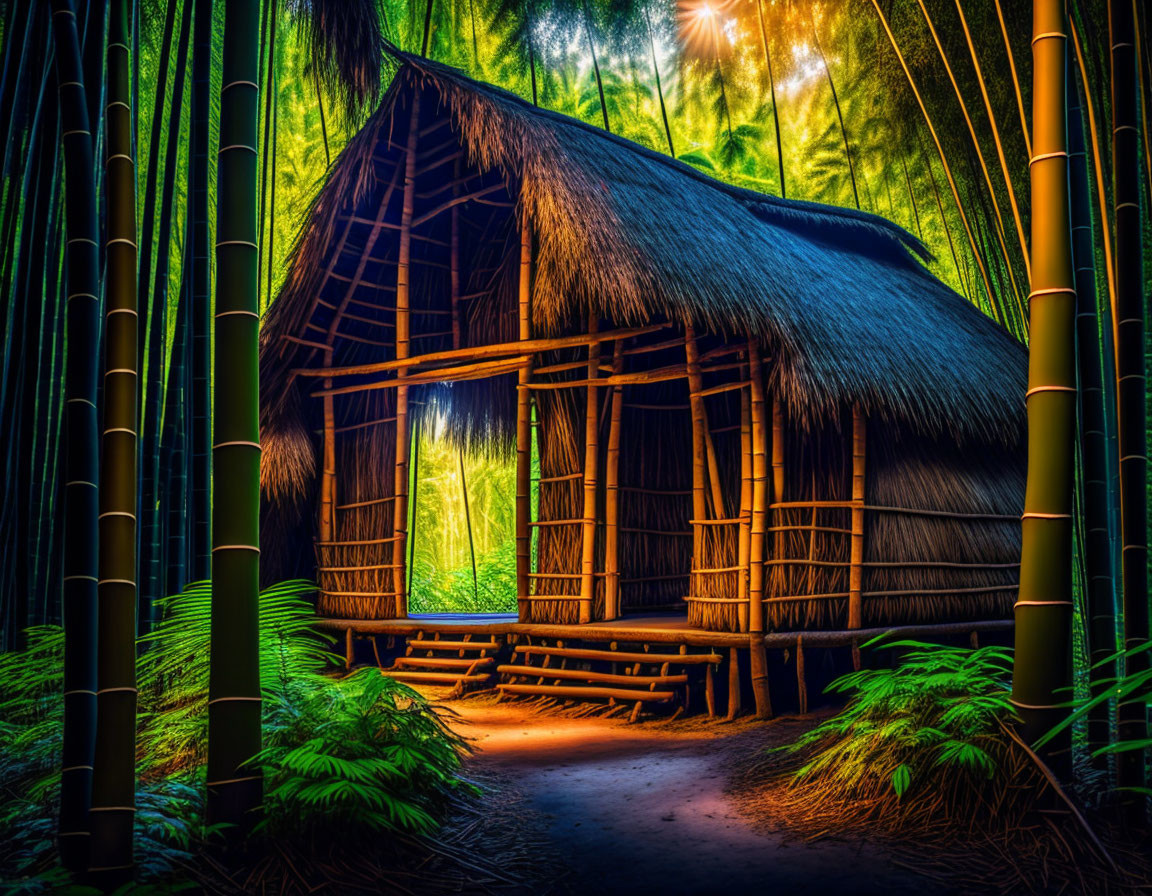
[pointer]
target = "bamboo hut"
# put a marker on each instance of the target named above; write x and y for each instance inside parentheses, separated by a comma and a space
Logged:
(767, 413)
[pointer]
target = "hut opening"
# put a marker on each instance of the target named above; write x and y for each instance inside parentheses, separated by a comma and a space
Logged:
(764, 415)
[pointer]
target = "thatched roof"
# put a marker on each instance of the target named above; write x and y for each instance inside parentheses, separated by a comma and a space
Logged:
(840, 299)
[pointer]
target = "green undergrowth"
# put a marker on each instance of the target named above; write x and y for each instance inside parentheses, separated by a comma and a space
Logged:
(913, 744)
(344, 758)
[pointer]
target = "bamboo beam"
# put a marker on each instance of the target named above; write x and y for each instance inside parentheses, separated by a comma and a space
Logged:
(591, 459)
(403, 272)
(524, 346)
(612, 493)
(459, 373)
(856, 570)
(524, 432)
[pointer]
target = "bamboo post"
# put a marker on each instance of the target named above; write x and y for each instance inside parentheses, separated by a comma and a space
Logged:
(328, 471)
(699, 498)
(700, 416)
(612, 494)
(856, 570)
(733, 683)
(403, 265)
(524, 434)
(758, 658)
(778, 469)
(591, 456)
(454, 261)
(744, 544)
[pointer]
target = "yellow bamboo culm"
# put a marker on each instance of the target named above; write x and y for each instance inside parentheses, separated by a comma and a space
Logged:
(745, 539)
(699, 471)
(856, 568)
(1042, 663)
(524, 435)
(403, 349)
(758, 659)
(591, 458)
(612, 494)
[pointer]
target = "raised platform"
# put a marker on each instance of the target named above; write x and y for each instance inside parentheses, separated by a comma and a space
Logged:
(667, 629)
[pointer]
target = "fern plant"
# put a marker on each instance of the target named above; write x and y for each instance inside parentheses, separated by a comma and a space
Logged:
(360, 754)
(936, 714)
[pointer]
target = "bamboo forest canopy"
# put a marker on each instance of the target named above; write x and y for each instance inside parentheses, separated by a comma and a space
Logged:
(839, 298)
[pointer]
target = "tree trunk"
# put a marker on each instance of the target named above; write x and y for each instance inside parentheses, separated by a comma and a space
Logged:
(114, 768)
(235, 787)
(1042, 669)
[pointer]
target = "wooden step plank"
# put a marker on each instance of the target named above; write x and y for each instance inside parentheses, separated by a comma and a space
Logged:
(578, 693)
(440, 662)
(424, 644)
(603, 677)
(433, 677)
(619, 656)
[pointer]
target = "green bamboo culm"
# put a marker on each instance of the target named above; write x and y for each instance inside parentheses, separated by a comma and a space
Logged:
(235, 785)
(1043, 658)
(1101, 596)
(200, 314)
(1130, 385)
(114, 768)
(81, 506)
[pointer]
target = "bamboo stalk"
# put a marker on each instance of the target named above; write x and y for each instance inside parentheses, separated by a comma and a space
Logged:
(591, 459)
(744, 542)
(699, 497)
(524, 431)
(612, 494)
(328, 469)
(757, 658)
(81, 471)
(403, 273)
(234, 782)
(454, 274)
(114, 763)
(1131, 392)
(856, 570)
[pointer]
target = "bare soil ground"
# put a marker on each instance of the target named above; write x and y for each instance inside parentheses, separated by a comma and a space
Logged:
(644, 808)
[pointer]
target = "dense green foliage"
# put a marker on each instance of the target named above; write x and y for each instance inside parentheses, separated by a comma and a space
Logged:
(361, 749)
(936, 713)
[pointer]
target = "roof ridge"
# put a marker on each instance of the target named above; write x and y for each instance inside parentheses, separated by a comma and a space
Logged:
(745, 195)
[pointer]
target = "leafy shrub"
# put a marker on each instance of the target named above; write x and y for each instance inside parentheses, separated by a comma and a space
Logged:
(364, 750)
(935, 717)
(363, 753)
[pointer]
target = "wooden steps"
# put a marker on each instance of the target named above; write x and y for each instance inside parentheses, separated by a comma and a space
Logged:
(458, 662)
(584, 674)
(582, 693)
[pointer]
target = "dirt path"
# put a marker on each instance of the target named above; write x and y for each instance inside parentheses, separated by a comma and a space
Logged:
(641, 809)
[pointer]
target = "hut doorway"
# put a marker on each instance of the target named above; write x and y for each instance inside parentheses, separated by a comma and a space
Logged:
(462, 553)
